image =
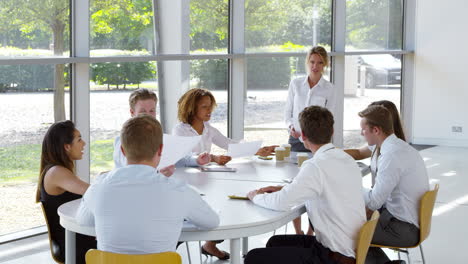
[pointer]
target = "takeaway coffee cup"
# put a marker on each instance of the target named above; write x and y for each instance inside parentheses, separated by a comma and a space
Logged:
(280, 153)
(301, 157)
(287, 147)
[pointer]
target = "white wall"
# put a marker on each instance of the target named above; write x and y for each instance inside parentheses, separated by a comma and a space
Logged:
(441, 72)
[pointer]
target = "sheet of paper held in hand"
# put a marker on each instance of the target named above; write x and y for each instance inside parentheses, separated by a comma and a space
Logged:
(175, 148)
(243, 149)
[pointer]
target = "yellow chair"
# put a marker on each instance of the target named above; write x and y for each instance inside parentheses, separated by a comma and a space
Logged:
(95, 256)
(365, 236)
(426, 206)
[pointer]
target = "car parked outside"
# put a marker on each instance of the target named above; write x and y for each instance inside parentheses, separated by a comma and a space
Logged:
(382, 70)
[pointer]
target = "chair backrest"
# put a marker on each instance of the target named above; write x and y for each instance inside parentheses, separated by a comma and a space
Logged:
(365, 236)
(95, 256)
(426, 206)
(54, 246)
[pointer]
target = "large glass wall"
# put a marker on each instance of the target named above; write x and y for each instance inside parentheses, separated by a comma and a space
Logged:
(37, 69)
(27, 105)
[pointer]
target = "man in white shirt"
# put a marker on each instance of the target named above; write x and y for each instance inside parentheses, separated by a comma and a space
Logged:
(330, 186)
(136, 210)
(401, 180)
(144, 101)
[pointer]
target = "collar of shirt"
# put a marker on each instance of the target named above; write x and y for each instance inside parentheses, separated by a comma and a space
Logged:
(323, 149)
(306, 82)
(387, 144)
(190, 128)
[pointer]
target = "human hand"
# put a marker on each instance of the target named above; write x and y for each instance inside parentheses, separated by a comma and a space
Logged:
(203, 158)
(269, 189)
(369, 213)
(220, 159)
(252, 194)
(167, 171)
(294, 133)
(266, 151)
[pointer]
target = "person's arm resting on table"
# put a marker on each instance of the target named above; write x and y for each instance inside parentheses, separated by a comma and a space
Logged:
(305, 186)
(84, 215)
(200, 213)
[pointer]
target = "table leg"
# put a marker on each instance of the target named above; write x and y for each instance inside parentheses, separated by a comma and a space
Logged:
(235, 251)
(245, 246)
(70, 247)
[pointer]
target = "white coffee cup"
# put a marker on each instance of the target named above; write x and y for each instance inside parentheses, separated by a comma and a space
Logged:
(287, 147)
(280, 153)
(301, 157)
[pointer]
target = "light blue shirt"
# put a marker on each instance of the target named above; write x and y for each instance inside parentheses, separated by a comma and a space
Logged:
(121, 161)
(136, 210)
(401, 180)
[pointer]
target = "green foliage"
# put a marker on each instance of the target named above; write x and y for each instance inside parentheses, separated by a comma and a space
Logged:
(21, 163)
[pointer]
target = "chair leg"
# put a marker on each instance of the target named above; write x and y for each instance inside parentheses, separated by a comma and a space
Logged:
(399, 257)
(286, 229)
(422, 254)
(188, 253)
(200, 246)
(407, 256)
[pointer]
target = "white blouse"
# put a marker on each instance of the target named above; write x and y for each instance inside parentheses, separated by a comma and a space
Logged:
(300, 96)
(209, 135)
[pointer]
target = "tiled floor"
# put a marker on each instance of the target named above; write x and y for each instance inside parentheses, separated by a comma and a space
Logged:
(446, 244)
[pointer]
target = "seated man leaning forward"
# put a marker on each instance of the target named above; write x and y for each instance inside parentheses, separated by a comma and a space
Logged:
(144, 101)
(330, 186)
(135, 209)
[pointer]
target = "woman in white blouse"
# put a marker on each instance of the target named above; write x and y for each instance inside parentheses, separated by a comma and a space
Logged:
(194, 112)
(306, 91)
(312, 89)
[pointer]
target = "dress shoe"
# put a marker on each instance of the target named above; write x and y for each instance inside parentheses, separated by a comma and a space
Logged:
(206, 253)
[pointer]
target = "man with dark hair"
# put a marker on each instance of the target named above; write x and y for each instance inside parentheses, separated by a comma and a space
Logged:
(329, 185)
(401, 180)
(135, 209)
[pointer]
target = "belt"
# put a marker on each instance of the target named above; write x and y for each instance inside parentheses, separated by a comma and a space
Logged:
(340, 258)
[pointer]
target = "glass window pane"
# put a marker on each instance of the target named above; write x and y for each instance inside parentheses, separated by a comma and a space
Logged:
(374, 25)
(27, 103)
(213, 75)
(285, 26)
(35, 28)
(267, 90)
(111, 86)
(209, 26)
(368, 78)
(121, 28)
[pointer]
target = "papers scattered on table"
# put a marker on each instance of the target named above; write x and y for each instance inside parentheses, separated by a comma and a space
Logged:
(217, 169)
(243, 149)
(175, 148)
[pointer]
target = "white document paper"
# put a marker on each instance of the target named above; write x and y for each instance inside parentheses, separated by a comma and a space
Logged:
(175, 148)
(243, 149)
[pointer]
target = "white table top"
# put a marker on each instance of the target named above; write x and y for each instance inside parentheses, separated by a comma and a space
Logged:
(238, 218)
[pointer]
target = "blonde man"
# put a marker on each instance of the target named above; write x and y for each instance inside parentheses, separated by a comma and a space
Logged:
(135, 209)
(144, 101)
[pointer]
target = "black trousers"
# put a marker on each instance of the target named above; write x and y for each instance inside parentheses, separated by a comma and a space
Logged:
(391, 232)
(290, 249)
(297, 145)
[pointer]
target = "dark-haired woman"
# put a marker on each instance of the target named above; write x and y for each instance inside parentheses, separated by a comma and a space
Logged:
(58, 184)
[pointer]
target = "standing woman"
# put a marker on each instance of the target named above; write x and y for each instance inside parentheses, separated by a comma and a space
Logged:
(306, 91)
(58, 184)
